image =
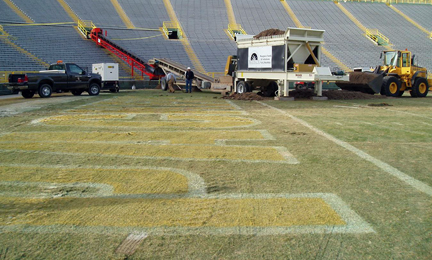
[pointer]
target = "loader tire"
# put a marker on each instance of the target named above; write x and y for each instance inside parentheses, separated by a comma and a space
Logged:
(391, 86)
(420, 88)
(243, 87)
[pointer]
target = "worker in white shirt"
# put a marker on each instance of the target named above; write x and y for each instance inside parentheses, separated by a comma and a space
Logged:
(171, 78)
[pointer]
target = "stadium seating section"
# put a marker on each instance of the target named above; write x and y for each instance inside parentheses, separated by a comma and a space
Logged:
(53, 35)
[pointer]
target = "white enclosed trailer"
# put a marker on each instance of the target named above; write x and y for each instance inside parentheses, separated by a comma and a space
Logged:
(272, 62)
(109, 73)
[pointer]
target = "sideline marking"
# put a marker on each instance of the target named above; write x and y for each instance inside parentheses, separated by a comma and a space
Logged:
(380, 164)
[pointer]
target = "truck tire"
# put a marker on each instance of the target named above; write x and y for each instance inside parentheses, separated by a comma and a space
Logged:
(76, 92)
(45, 90)
(27, 93)
(391, 86)
(420, 88)
(243, 87)
(94, 89)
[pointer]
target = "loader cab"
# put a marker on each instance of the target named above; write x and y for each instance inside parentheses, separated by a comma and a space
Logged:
(390, 58)
(398, 61)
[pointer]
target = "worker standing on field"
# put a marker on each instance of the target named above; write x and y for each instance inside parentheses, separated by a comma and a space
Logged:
(189, 75)
(171, 80)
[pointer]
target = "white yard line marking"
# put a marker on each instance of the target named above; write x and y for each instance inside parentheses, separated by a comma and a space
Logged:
(345, 107)
(382, 165)
(395, 129)
(131, 243)
(411, 114)
(237, 107)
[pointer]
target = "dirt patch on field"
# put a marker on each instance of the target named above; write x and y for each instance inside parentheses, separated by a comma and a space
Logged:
(333, 94)
(244, 96)
(269, 32)
(380, 105)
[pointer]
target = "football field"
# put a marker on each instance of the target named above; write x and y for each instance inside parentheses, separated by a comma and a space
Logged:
(148, 174)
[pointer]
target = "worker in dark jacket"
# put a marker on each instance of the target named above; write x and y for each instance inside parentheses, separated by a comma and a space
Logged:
(189, 75)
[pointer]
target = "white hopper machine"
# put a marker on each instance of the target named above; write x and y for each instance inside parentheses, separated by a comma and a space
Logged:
(271, 62)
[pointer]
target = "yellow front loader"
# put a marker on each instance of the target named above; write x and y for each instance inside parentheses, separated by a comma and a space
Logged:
(397, 75)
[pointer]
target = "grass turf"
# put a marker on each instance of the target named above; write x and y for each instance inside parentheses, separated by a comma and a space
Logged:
(398, 135)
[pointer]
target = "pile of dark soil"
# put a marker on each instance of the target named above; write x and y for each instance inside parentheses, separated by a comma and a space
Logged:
(269, 32)
(332, 94)
(380, 105)
(301, 93)
(362, 77)
(346, 95)
(244, 96)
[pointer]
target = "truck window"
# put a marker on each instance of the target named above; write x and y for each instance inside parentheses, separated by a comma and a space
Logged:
(57, 67)
(72, 68)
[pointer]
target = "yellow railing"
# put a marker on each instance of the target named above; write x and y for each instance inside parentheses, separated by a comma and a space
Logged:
(84, 27)
(430, 35)
(235, 28)
(170, 26)
(375, 35)
(2, 32)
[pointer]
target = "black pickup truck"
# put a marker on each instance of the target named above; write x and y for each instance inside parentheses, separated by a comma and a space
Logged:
(60, 77)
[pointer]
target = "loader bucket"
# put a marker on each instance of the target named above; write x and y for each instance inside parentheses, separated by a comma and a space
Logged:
(365, 82)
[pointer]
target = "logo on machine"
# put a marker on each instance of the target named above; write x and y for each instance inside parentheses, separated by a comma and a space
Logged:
(254, 57)
(260, 57)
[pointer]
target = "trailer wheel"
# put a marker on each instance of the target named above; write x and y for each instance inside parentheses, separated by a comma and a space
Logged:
(76, 92)
(270, 90)
(45, 91)
(243, 87)
(391, 86)
(94, 89)
(164, 84)
(27, 93)
(420, 88)
(299, 86)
